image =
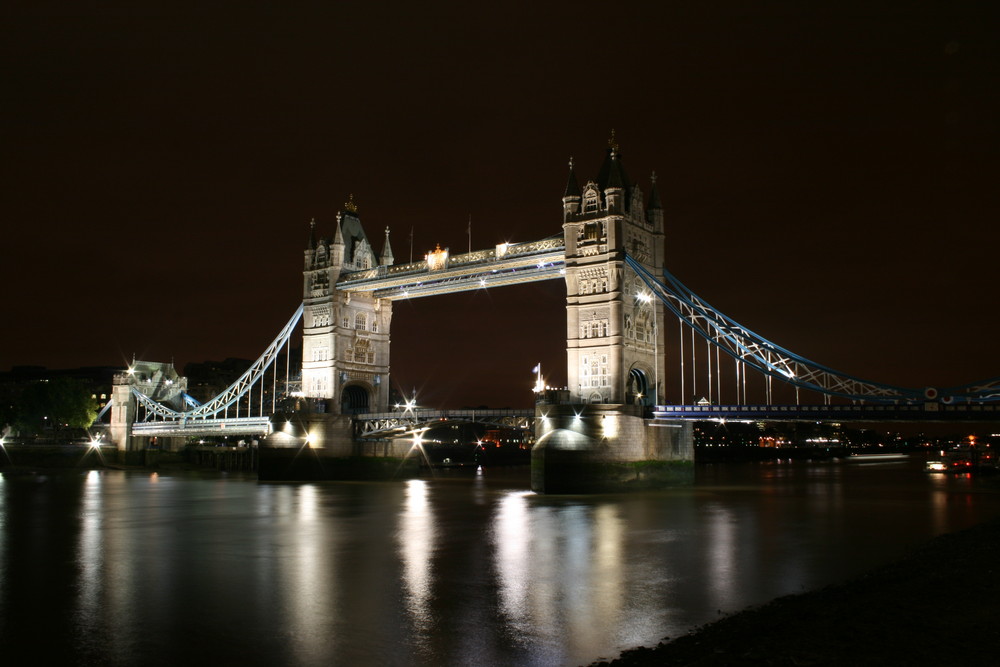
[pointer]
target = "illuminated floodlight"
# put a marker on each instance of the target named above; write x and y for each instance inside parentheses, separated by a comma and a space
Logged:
(645, 297)
(482, 282)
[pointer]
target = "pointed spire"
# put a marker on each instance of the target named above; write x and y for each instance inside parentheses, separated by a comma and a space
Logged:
(312, 234)
(654, 197)
(572, 185)
(616, 179)
(387, 258)
(612, 174)
(338, 236)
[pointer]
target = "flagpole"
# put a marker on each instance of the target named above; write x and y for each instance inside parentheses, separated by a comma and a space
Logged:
(470, 232)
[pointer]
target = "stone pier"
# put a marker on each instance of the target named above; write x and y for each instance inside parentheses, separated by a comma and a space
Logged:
(322, 447)
(596, 448)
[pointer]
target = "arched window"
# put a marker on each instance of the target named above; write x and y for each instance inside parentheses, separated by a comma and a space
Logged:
(360, 321)
(591, 198)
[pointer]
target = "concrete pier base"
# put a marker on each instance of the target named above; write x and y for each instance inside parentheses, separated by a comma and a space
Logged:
(598, 448)
(322, 447)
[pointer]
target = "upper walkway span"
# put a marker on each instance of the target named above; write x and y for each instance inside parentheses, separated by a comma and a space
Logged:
(442, 273)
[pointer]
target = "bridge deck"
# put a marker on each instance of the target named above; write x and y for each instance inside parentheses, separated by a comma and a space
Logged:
(231, 426)
(906, 412)
(382, 424)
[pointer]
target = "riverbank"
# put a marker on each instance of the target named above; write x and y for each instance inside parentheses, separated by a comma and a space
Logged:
(938, 606)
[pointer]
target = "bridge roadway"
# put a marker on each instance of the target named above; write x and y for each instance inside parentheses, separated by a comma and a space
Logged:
(914, 412)
(507, 264)
(231, 426)
(386, 424)
(368, 425)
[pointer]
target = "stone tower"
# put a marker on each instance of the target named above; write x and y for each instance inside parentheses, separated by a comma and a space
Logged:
(614, 339)
(345, 337)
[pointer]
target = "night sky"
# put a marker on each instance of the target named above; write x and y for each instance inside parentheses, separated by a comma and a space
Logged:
(829, 172)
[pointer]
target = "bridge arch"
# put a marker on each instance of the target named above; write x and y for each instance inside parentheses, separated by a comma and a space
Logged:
(638, 389)
(356, 397)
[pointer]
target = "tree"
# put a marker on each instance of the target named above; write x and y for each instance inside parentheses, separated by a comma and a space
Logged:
(58, 403)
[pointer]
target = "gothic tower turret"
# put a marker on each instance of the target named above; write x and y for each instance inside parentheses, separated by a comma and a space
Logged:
(571, 199)
(615, 351)
(345, 338)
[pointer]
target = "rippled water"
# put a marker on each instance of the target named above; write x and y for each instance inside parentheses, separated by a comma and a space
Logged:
(122, 568)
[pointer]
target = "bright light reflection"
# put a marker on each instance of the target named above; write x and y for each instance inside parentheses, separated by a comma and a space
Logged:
(511, 540)
(308, 581)
(89, 551)
(721, 529)
(416, 538)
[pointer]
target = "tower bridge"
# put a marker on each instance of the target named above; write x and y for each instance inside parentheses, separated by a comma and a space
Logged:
(608, 424)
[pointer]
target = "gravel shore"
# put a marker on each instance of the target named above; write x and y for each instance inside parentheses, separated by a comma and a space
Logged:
(939, 606)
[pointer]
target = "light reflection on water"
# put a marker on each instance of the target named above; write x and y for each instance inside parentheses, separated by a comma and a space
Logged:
(123, 568)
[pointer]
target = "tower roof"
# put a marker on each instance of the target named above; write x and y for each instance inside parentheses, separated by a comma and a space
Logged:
(351, 233)
(612, 174)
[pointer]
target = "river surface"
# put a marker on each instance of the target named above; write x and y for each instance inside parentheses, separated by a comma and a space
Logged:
(127, 568)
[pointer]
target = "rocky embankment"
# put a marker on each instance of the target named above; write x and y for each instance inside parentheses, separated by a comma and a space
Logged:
(940, 606)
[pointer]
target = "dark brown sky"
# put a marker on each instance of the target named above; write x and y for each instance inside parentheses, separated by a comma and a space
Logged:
(829, 175)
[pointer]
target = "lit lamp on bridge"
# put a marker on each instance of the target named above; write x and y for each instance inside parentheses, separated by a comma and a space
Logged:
(647, 298)
(539, 383)
(437, 259)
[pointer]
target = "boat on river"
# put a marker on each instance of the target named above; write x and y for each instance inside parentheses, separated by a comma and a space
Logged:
(964, 460)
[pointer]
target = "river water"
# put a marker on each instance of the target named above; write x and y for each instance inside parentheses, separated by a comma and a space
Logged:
(127, 568)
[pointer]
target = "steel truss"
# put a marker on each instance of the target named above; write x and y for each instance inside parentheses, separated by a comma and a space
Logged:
(234, 393)
(772, 360)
